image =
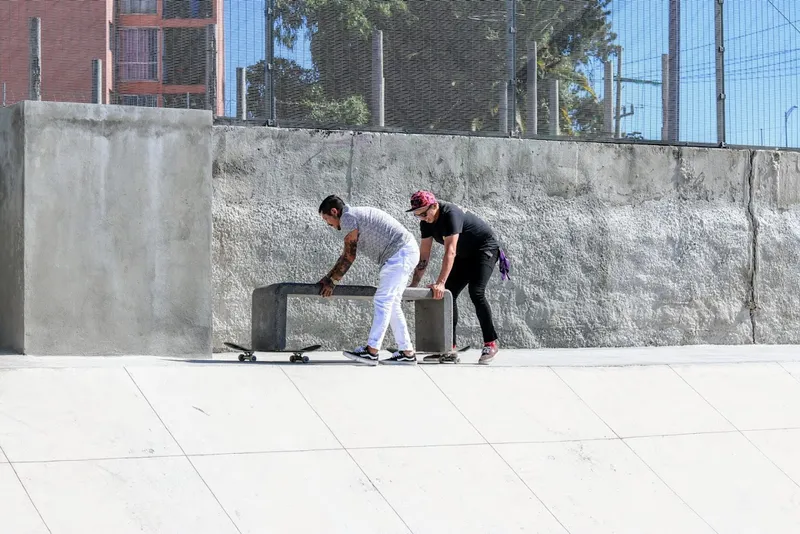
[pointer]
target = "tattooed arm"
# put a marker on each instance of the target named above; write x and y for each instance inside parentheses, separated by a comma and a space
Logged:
(342, 265)
(424, 257)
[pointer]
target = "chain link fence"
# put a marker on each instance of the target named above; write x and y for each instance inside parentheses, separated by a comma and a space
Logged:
(719, 72)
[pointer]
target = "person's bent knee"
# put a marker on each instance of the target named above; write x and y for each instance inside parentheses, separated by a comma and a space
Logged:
(477, 294)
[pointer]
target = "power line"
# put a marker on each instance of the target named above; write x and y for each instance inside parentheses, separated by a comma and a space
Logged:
(727, 40)
(784, 16)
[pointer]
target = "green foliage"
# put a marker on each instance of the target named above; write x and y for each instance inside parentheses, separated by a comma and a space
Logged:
(352, 110)
(307, 103)
(444, 60)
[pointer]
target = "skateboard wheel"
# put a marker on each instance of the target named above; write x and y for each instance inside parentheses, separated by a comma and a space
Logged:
(241, 357)
(253, 358)
(305, 359)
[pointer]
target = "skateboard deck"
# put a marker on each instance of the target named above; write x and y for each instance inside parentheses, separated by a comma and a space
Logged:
(445, 357)
(296, 355)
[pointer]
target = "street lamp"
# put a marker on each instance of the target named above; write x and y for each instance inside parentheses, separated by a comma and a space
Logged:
(786, 123)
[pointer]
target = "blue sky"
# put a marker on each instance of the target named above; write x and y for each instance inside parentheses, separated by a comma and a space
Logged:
(762, 39)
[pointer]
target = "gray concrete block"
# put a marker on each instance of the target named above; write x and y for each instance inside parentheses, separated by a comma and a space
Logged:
(12, 249)
(433, 317)
(117, 216)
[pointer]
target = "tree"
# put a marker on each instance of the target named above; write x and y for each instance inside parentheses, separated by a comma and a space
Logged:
(303, 100)
(444, 60)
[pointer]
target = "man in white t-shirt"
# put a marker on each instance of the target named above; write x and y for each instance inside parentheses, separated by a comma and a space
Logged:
(382, 238)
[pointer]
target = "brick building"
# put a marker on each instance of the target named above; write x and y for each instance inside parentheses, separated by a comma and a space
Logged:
(154, 52)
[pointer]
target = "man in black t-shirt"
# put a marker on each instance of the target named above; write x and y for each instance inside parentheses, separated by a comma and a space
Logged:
(471, 252)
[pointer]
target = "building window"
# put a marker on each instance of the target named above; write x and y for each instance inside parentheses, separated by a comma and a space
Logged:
(187, 9)
(138, 6)
(185, 56)
(186, 101)
(148, 101)
(138, 54)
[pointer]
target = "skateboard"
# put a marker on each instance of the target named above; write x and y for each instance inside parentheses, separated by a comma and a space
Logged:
(297, 355)
(445, 357)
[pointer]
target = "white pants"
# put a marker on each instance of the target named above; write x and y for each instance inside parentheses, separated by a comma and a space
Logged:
(394, 279)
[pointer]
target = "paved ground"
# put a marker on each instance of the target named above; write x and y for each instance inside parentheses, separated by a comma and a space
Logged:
(668, 440)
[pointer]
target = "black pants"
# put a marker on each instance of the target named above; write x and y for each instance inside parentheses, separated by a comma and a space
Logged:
(474, 272)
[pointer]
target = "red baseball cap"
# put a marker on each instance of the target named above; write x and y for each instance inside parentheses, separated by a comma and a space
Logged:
(420, 199)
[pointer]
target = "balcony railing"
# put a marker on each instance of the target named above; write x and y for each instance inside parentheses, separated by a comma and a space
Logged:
(187, 9)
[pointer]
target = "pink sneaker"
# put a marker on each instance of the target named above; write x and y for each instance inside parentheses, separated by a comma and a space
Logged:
(488, 352)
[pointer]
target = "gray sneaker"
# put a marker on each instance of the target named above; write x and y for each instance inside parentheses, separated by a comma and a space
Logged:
(399, 358)
(488, 352)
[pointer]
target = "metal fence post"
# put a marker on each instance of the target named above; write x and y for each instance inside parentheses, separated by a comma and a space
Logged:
(511, 59)
(720, 70)
(665, 97)
(533, 95)
(241, 93)
(269, 82)
(608, 99)
(674, 69)
(35, 59)
(97, 81)
(377, 79)
(211, 68)
(555, 129)
(618, 118)
(502, 111)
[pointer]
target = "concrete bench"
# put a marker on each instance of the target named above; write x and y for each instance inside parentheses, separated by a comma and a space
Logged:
(433, 319)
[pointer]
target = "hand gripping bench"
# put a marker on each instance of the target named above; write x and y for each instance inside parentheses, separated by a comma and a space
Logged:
(433, 319)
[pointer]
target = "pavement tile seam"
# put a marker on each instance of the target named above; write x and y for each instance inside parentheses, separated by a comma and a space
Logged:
(742, 431)
(632, 451)
(182, 451)
(502, 458)
(352, 459)
(27, 494)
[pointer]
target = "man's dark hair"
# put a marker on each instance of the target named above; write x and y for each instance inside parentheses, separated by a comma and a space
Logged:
(331, 202)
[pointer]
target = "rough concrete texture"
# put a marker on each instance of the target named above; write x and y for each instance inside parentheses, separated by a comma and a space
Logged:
(117, 230)
(12, 247)
(776, 246)
(611, 245)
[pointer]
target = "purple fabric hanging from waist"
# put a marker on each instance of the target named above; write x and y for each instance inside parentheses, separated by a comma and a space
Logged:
(505, 266)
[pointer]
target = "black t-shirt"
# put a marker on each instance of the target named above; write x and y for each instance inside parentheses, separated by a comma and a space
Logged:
(475, 235)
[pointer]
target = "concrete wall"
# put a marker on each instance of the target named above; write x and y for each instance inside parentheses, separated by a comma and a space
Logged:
(117, 230)
(106, 239)
(776, 244)
(610, 245)
(12, 249)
